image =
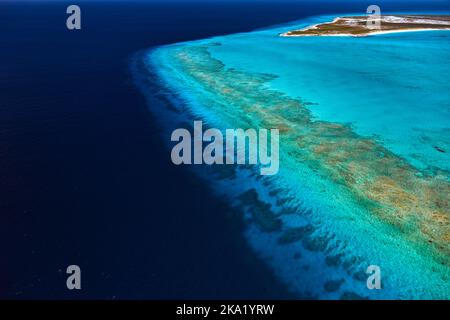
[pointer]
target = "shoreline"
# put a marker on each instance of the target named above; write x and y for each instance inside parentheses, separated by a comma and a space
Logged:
(286, 35)
(344, 26)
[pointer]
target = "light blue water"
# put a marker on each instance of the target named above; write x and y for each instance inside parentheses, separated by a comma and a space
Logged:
(394, 88)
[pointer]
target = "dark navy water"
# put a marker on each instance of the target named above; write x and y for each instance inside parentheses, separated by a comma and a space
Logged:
(85, 177)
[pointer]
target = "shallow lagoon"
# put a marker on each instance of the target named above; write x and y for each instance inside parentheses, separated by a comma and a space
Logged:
(393, 87)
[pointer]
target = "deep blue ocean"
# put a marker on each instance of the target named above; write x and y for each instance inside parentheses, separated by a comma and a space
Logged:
(85, 176)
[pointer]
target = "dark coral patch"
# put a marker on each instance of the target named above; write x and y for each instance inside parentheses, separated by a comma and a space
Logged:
(294, 234)
(333, 285)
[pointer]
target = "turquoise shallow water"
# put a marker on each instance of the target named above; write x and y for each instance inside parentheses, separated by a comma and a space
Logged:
(395, 87)
(364, 163)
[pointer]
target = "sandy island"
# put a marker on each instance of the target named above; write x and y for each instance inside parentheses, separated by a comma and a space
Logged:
(356, 26)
